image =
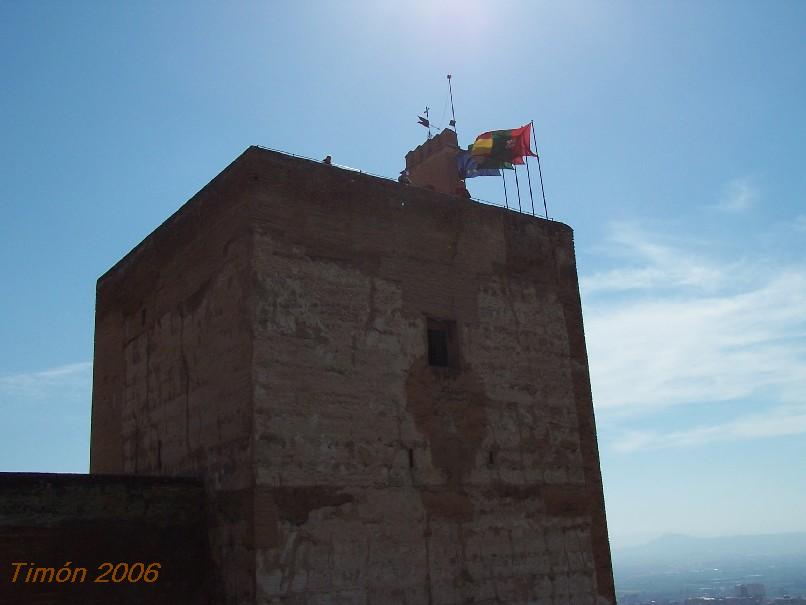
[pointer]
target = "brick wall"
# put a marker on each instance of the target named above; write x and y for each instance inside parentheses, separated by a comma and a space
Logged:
(49, 520)
(378, 474)
(433, 164)
(172, 388)
(272, 338)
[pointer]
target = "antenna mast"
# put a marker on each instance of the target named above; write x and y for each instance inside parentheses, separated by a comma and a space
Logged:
(453, 113)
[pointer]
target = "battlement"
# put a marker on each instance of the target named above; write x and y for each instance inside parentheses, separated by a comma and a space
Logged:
(433, 164)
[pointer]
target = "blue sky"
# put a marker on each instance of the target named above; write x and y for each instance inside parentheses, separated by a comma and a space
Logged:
(671, 137)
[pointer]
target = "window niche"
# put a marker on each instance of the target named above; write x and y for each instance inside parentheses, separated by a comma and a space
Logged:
(443, 348)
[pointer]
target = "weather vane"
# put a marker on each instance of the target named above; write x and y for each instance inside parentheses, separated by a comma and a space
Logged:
(424, 121)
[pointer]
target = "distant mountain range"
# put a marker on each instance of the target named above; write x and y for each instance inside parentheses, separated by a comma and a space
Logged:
(675, 548)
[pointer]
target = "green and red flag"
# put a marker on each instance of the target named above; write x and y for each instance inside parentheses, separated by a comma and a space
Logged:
(499, 146)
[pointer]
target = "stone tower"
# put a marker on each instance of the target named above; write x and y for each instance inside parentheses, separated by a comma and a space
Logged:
(384, 387)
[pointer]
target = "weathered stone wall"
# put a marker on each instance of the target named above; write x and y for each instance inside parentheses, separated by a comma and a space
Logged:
(81, 521)
(283, 357)
(382, 478)
(172, 391)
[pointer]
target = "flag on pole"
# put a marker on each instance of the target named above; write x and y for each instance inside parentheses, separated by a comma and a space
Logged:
(469, 168)
(509, 146)
(492, 163)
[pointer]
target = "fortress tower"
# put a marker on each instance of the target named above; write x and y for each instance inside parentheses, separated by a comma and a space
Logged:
(384, 387)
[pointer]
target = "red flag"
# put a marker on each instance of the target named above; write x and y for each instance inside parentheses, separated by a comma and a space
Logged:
(505, 145)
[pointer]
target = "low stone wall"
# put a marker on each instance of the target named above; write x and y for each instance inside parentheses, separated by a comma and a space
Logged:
(79, 539)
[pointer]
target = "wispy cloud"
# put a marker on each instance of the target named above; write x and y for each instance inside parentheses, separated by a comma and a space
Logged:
(785, 420)
(653, 352)
(739, 196)
(61, 382)
(649, 263)
(685, 329)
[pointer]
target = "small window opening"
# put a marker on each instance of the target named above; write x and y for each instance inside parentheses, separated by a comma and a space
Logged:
(442, 349)
(437, 348)
(143, 317)
(411, 458)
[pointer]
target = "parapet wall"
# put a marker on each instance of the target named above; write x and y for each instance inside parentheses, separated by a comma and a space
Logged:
(69, 522)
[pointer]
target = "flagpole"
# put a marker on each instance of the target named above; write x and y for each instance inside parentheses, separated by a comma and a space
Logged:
(453, 113)
(529, 177)
(518, 187)
(506, 201)
(537, 155)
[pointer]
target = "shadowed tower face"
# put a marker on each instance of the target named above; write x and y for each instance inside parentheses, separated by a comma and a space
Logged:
(385, 388)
